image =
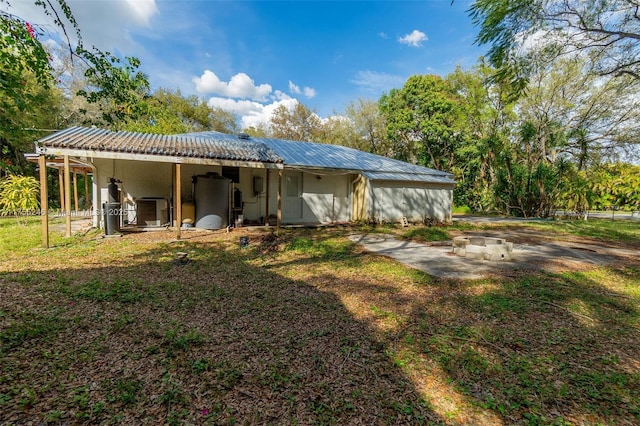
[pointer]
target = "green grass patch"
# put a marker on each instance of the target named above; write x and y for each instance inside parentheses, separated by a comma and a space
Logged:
(30, 326)
(433, 233)
(321, 247)
(462, 210)
(618, 231)
(118, 290)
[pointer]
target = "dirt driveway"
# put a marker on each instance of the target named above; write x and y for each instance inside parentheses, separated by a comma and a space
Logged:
(532, 250)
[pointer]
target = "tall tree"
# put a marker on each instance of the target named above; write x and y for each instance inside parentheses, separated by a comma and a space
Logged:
(488, 117)
(423, 121)
(338, 130)
(606, 31)
(26, 89)
(26, 77)
(120, 91)
(368, 126)
(168, 112)
(582, 117)
(299, 123)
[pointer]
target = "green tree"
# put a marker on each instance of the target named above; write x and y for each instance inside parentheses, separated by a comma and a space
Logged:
(424, 121)
(21, 121)
(338, 130)
(369, 131)
(605, 31)
(299, 123)
(168, 112)
(580, 116)
(120, 91)
(616, 184)
(258, 132)
(28, 99)
(488, 117)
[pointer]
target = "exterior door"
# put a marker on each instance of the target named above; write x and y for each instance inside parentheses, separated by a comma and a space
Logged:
(292, 196)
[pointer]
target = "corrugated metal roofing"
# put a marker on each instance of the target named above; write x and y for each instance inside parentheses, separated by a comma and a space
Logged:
(227, 148)
(408, 177)
(376, 167)
(222, 146)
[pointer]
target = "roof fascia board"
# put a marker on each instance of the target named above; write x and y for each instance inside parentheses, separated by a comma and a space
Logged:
(317, 169)
(154, 158)
(445, 185)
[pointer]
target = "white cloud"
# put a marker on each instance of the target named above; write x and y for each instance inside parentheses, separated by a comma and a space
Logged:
(414, 39)
(252, 114)
(294, 88)
(240, 86)
(105, 24)
(307, 91)
(143, 10)
(377, 82)
(280, 95)
(382, 34)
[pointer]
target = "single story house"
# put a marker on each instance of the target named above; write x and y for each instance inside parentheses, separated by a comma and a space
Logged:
(244, 179)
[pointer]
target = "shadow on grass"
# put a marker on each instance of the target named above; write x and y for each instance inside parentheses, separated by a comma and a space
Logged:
(306, 328)
(128, 334)
(536, 347)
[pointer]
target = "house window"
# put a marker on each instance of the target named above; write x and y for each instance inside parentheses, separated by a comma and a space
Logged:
(232, 173)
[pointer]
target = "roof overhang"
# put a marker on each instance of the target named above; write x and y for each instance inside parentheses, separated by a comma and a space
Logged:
(433, 179)
(90, 155)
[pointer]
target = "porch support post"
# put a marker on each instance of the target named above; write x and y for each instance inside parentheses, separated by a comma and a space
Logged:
(86, 190)
(44, 200)
(67, 196)
(279, 212)
(61, 187)
(178, 201)
(75, 191)
(266, 201)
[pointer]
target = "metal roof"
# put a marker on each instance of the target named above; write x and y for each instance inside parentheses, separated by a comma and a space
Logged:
(222, 146)
(409, 177)
(374, 167)
(228, 148)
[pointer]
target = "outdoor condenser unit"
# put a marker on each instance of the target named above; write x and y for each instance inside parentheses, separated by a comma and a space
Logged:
(152, 211)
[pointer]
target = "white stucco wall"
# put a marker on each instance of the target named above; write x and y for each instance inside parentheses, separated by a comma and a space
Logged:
(325, 198)
(322, 198)
(391, 201)
(140, 179)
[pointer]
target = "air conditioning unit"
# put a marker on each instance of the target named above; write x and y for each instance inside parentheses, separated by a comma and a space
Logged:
(152, 211)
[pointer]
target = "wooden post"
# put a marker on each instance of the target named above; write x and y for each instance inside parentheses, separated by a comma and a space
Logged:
(75, 191)
(44, 200)
(61, 185)
(67, 196)
(266, 202)
(86, 191)
(178, 201)
(279, 212)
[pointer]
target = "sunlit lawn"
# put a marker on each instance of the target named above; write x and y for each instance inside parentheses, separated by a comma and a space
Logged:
(305, 328)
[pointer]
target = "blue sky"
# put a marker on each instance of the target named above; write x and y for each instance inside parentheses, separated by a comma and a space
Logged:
(251, 56)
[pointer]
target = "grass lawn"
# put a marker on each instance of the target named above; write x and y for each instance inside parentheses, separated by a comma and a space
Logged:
(305, 328)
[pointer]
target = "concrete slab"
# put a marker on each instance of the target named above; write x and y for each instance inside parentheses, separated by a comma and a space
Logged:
(440, 261)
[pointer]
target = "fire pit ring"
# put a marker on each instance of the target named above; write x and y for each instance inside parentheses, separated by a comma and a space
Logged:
(480, 247)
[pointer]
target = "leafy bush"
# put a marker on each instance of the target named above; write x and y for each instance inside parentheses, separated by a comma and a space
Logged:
(19, 195)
